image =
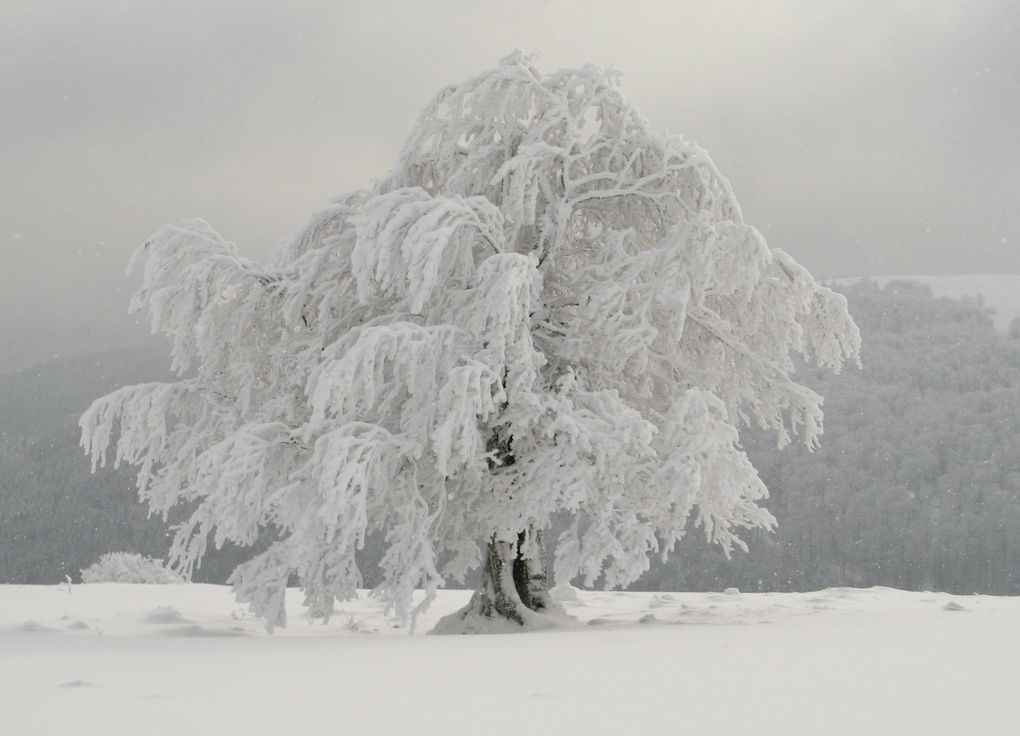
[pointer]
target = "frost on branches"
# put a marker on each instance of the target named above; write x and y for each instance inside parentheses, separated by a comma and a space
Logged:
(544, 307)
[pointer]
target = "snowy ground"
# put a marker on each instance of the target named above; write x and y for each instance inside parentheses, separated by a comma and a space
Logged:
(185, 659)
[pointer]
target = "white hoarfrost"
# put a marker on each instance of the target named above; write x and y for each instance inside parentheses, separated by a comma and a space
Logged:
(128, 567)
(545, 307)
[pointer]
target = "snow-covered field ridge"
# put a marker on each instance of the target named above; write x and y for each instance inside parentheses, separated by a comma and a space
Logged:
(186, 659)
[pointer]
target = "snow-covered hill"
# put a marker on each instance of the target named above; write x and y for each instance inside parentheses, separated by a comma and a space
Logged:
(185, 659)
(1001, 292)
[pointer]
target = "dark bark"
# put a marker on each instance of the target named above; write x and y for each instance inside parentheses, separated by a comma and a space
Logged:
(497, 594)
(513, 581)
(530, 573)
(513, 585)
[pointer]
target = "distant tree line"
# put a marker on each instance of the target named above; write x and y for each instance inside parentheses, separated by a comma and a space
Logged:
(56, 517)
(916, 484)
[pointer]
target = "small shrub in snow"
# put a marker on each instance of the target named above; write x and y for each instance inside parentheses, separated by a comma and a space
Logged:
(126, 567)
(565, 593)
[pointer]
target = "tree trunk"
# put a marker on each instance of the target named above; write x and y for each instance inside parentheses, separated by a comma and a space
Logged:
(513, 581)
(530, 571)
(513, 587)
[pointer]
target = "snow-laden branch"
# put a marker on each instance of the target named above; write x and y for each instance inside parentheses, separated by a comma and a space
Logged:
(544, 308)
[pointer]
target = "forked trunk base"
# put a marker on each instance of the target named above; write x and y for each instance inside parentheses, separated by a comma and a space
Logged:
(513, 592)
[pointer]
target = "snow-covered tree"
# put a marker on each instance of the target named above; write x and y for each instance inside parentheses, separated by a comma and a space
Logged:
(545, 307)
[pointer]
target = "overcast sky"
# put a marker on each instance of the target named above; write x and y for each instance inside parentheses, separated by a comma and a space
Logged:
(861, 137)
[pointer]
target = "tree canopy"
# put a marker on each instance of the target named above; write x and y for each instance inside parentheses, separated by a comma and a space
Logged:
(544, 307)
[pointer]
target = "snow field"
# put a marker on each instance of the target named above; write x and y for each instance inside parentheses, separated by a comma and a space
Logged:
(186, 659)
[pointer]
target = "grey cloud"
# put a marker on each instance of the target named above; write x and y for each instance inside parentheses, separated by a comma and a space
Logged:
(861, 137)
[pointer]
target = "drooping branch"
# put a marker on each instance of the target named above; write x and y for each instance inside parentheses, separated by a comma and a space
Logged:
(544, 308)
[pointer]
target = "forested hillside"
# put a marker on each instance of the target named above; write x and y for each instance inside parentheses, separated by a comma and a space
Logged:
(916, 484)
(56, 517)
